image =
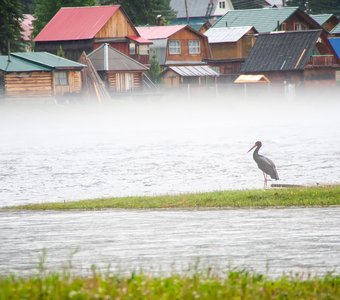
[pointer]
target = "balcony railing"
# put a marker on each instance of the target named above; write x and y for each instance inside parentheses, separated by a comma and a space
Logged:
(321, 60)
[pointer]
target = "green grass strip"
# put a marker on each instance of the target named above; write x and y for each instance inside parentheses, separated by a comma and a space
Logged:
(198, 285)
(290, 197)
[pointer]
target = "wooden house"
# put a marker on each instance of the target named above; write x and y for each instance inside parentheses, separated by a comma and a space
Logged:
(174, 76)
(199, 13)
(176, 44)
(269, 19)
(229, 48)
(78, 29)
(118, 71)
(327, 21)
(38, 74)
(310, 62)
(335, 43)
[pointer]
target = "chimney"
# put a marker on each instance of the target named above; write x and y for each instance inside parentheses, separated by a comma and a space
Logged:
(106, 56)
(9, 51)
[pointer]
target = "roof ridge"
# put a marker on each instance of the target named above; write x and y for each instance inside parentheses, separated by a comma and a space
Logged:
(87, 7)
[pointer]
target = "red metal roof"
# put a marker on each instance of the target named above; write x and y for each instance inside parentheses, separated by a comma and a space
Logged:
(139, 39)
(158, 32)
(76, 23)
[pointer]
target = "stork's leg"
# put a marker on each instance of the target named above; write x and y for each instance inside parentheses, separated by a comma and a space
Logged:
(265, 180)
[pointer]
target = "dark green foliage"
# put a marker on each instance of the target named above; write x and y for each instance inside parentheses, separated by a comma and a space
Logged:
(317, 6)
(155, 69)
(10, 25)
(45, 10)
(143, 12)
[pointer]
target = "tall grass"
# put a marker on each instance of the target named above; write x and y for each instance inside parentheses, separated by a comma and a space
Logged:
(311, 196)
(198, 285)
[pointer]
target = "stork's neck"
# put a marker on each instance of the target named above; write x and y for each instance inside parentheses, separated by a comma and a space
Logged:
(256, 152)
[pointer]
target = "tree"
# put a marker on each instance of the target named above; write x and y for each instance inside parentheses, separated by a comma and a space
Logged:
(143, 12)
(44, 10)
(10, 25)
(155, 69)
(317, 6)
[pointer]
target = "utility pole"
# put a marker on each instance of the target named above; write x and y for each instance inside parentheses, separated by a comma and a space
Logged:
(186, 10)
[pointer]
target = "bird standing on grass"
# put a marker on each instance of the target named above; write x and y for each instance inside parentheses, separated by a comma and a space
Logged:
(264, 164)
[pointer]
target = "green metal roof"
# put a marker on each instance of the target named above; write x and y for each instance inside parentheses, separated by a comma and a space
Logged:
(321, 18)
(36, 61)
(48, 60)
(264, 19)
(18, 65)
(336, 29)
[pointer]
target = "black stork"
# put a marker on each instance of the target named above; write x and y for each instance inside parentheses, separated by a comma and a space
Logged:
(264, 163)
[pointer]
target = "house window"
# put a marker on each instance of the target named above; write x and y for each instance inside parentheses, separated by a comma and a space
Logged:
(299, 26)
(222, 4)
(174, 47)
(144, 49)
(132, 48)
(61, 78)
(283, 27)
(194, 47)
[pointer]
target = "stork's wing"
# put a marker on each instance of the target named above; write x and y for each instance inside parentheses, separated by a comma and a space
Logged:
(267, 166)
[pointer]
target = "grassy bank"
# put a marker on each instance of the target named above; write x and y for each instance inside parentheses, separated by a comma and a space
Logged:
(235, 285)
(304, 197)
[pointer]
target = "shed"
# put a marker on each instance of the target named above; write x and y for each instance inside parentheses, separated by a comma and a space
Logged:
(39, 74)
(174, 76)
(120, 72)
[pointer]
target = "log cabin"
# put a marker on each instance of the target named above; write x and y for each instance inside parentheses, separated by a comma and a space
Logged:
(42, 74)
(118, 71)
(78, 29)
(176, 44)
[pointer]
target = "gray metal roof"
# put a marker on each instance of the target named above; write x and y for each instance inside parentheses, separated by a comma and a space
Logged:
(194, 71)
(198, 8)
(159, 49)
(116, 61)
(274, 51)
(226, 34)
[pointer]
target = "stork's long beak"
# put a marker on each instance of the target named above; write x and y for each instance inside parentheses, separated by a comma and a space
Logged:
(251, 148)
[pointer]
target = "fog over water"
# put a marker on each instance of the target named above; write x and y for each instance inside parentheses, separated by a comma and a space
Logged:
(163, 145)
(167, 144)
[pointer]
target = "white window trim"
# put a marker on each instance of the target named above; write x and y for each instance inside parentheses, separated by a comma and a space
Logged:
(174, 49)
(194, 49)
(222, 4)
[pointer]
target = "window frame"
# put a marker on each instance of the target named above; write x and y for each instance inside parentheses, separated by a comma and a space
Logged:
(61, 78)
(222, 4)
(194, 49)
(174, 49)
